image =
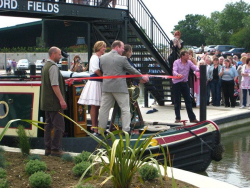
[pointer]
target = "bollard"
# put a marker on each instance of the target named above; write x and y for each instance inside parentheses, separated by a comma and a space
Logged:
(32, 69)
(203, 92)
(65, 64)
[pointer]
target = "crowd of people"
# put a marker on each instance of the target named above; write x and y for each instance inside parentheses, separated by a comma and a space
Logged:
(227, 80)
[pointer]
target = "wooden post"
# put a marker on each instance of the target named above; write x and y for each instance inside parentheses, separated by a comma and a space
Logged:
(203, 92)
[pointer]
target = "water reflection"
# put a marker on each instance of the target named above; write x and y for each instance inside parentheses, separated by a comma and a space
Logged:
(235, 166)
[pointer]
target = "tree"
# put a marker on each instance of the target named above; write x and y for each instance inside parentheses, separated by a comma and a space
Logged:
(221, 27)
(190, 32)
(241, 38)
(209, 28)
(231, 18)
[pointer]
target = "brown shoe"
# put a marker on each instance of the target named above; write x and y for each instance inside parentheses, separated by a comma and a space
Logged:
(177, 121)
(47, 152)
(194, 121)
(57, 153)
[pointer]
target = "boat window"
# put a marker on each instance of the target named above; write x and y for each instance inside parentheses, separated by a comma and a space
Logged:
(4, 109)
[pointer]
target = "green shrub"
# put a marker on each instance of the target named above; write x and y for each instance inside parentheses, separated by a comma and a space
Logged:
(35, 166)
(23, 140)
(40, 180)
(2, 161)
(81, 167)
(84, 156)
(34, 157)
(3, 173)
(67, 157)
(148, 172)
(3, 183)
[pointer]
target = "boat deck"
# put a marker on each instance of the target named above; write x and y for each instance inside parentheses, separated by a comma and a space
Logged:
(224, 117)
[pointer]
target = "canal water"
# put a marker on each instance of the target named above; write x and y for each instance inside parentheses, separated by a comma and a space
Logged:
(234, 168)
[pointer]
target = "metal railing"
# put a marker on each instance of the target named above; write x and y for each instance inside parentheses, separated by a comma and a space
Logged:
(150, 27)
(140, 14)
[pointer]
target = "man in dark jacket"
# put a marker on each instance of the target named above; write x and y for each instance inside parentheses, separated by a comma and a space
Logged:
(52, 102)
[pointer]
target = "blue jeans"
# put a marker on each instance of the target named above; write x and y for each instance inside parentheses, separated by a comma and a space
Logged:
(245, 96)
(215, 88)
(178, 89)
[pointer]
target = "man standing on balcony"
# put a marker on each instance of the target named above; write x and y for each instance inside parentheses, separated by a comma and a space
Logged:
(52, 102)
(181, 69)
(113, 63)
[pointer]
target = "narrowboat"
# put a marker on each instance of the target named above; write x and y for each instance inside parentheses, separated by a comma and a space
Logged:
(191, 147)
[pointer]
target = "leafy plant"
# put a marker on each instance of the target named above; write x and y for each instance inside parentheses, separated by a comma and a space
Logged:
(40, 180)
(67, 157)
(148, 172)
(3, 183)
(23, 140)
(123, 160)
(84, 156)
(3, 173)
(35, 166)
(34, 157)
(24, 120)
(81, 167)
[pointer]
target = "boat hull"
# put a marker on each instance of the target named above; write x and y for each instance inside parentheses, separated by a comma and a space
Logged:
(191, 148)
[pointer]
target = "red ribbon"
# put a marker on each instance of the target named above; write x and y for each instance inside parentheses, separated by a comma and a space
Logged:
(71, 80)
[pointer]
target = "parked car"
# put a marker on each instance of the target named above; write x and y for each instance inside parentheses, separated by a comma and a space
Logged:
(224, 48)
(233, 51)
(23, 64)
(210, 49)
(197, 50)
(39, 64)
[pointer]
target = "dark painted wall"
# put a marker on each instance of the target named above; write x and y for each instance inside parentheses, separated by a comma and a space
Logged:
(56, 33)
(20, 36)
(64, 34)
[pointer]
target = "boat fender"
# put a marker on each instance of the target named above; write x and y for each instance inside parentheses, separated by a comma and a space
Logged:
(218, 151)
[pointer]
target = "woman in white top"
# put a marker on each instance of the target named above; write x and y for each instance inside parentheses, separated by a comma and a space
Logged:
(91, 94)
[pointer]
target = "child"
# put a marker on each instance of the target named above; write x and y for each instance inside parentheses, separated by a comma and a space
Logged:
(236, 92)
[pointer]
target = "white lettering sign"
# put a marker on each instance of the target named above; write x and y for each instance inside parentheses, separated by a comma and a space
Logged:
(42, 6)
(8, 4)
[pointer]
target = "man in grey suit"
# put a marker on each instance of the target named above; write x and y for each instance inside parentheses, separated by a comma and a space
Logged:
(113, 63)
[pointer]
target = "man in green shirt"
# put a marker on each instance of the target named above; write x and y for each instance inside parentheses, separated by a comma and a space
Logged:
(53, 101)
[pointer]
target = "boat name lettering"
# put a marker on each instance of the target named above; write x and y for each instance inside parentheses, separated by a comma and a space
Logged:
(36, 6)
(43, 7)
(8, 4)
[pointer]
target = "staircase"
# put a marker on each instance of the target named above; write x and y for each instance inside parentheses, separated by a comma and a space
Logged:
(130, 21)
(150, 45)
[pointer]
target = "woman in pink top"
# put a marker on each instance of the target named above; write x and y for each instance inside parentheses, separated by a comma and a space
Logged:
(197, 84)
(245, 82)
